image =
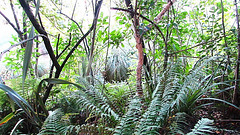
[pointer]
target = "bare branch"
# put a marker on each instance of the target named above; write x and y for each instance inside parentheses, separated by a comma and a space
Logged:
(199, 44)
(15, 45)
(16, 29)
(14, 14)
(85, 40)
(160, 15)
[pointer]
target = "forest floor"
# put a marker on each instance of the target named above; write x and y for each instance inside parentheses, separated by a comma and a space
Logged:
(226, 119)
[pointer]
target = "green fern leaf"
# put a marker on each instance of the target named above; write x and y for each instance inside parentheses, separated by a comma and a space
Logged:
(203, 126)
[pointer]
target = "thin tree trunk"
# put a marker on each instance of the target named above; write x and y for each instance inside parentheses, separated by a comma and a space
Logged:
(140, 65)
(236, 88)
(222, 95)
(139, 42)
(139, 47)
(224, 33)
(166, 44)
(37, 56)
(89, 69)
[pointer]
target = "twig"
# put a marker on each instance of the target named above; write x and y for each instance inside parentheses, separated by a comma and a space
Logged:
(17, 30)
(228, 120)
(199, 44)
(149, 26)
(16, 20)
(84, 42)
(74, 9)
(58, 38)
(69, 43)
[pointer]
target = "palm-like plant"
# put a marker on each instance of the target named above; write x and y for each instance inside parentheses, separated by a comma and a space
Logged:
(116, 68)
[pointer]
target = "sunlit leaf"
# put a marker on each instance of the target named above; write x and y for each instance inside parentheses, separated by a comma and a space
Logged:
(6, 118)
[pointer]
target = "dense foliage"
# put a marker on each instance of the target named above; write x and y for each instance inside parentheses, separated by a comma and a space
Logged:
(121, 67)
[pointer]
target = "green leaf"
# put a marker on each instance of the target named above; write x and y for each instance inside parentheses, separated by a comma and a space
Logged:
(22, 103)
(28, 50)
(220, 100)
(6, 118)
(27, 56)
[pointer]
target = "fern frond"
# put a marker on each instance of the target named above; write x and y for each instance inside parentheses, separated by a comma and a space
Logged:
(54, 124)
(88, 129)
(129, 120)
(93, 99)
(203, 126)
(154, 118)
(179, 123)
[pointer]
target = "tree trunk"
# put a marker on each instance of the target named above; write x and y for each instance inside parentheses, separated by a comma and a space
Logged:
(139, 46)
(236, 88)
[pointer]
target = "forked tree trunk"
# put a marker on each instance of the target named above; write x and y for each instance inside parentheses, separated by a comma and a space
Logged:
(139, 39)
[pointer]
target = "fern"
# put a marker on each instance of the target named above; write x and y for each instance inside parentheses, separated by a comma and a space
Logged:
(154, 118)
(94, 100)
(194, 85)
(173, 99)
(130, 119)
(156, 115)
(203, 126)
(88, 129)
(175, 94)
(58, 123)
(179, 123)
(54, 124)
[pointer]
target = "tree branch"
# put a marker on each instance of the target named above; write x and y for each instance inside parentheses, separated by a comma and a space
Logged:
(199, 44)
(85, 42)
(57, 74)
(17, 30)
(46, 40)
(14, 14)
(146, 28)
(15, 45)
(160, 15)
